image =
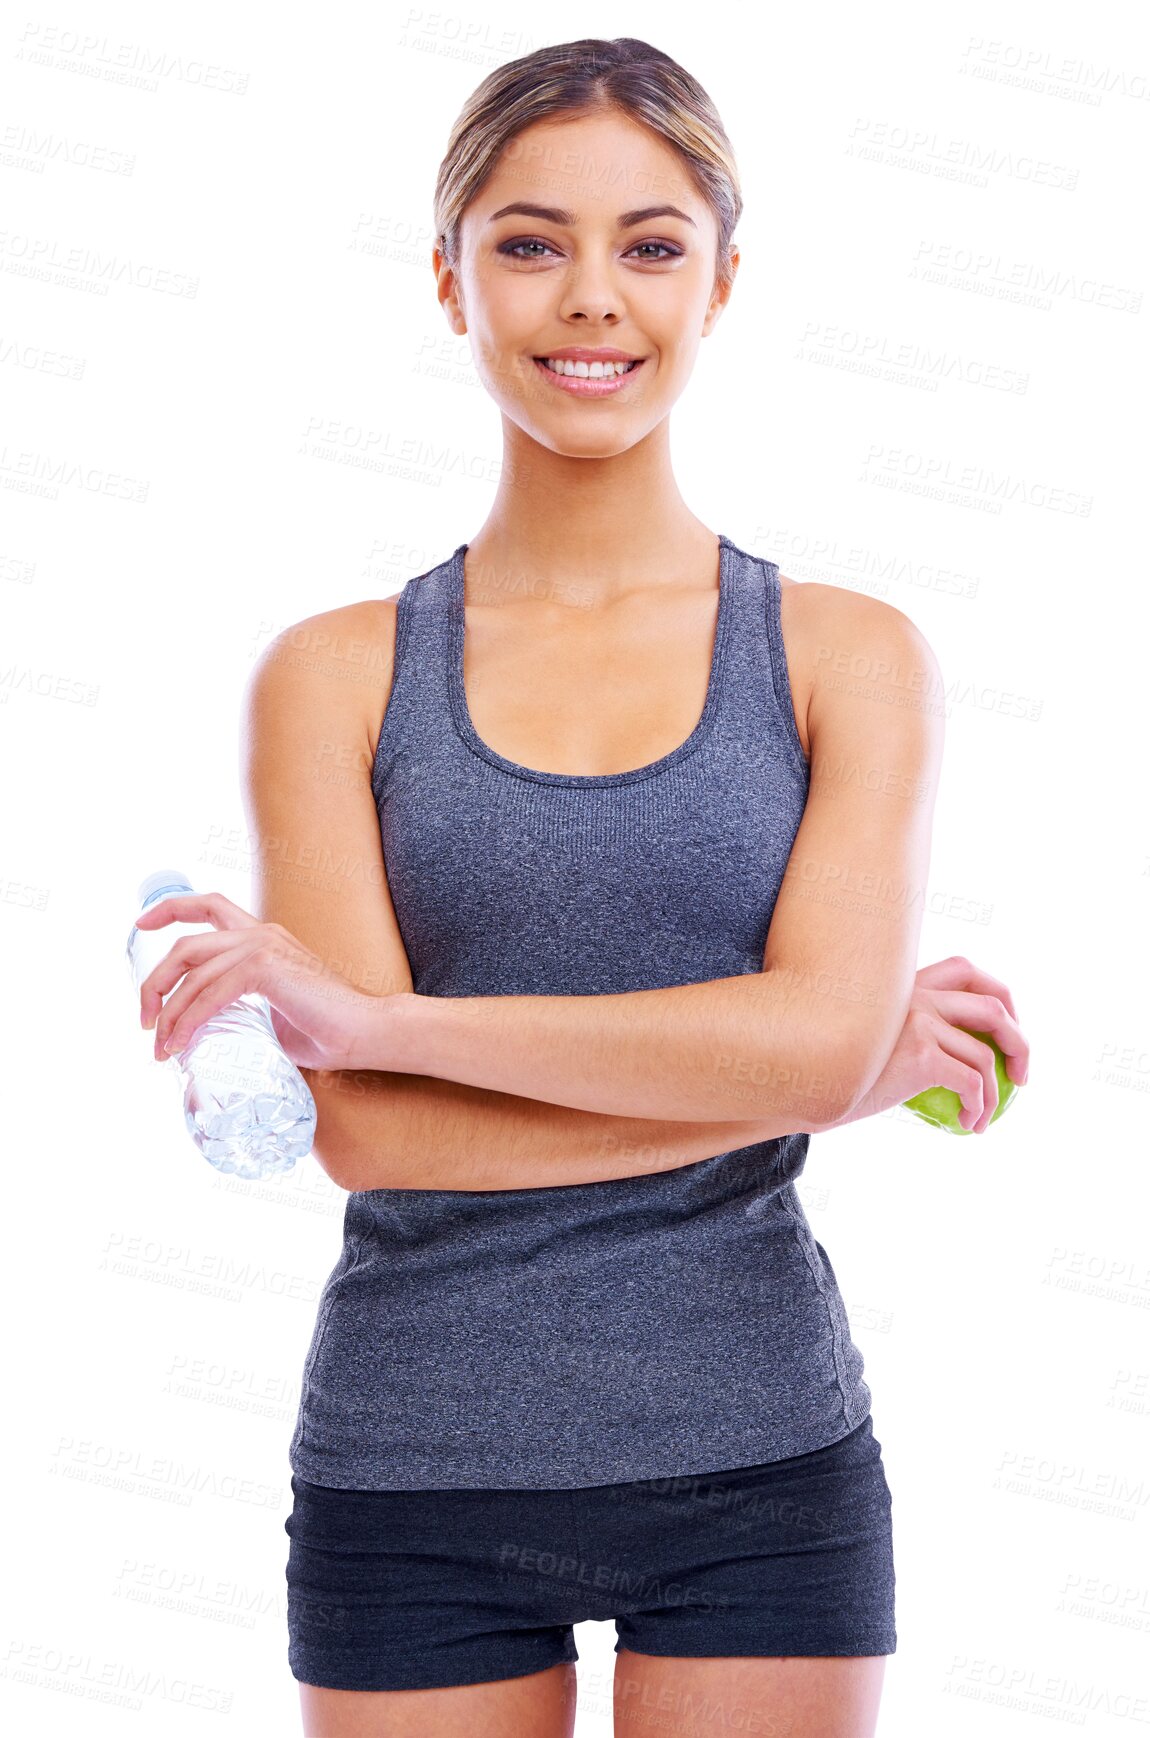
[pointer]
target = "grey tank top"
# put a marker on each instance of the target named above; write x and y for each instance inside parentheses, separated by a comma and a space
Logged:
(675, 1322)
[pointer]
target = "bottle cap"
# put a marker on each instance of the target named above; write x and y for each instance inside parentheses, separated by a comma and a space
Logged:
(164, 881)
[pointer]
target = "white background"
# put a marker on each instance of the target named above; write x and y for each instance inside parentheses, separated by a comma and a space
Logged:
(938, 204)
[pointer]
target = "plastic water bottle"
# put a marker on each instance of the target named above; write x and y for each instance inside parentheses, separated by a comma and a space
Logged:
(247, 1106)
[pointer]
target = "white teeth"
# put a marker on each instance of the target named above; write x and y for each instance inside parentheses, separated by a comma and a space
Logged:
(587, 370)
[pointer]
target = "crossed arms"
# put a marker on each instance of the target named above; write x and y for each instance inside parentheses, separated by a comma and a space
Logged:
(499, 1092)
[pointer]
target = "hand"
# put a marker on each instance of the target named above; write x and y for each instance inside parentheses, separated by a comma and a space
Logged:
(320, 1019)
(932, 1050)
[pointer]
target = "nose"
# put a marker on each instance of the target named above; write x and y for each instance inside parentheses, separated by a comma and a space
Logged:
(589, 294)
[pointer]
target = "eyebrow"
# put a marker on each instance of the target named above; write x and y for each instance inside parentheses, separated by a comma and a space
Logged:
(553, 214)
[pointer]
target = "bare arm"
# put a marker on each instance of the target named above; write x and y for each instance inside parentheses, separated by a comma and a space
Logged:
(312, 711)
(411, 1131)
(759, 1043)
(805, 1037)
(307, 762)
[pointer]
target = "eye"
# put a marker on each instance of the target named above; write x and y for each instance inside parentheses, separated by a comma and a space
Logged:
(511, 247)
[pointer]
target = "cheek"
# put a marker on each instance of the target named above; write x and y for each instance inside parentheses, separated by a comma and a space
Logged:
(506, 307)
(672, 312)
(497, 350)
(673, 355)
(505, 375)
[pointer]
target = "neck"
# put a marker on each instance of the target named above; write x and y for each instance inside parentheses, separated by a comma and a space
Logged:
(604, 525)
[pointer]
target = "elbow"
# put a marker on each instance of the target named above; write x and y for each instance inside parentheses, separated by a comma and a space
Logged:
(336, 1164)
(829, 1108)
(839, 1079)
(353, 1126)
(332, 1147)
(859, 1067)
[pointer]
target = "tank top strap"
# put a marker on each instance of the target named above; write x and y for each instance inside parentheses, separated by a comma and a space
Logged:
(418, 712)
(756, 691)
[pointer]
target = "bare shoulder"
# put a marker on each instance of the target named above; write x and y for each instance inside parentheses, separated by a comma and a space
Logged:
(832, 633)
(842, 611)
(340, 660)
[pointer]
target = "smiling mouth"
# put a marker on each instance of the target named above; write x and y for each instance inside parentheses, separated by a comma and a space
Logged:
(583, 370)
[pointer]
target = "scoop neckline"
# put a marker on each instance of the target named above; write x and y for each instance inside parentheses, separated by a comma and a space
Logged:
(465, 726)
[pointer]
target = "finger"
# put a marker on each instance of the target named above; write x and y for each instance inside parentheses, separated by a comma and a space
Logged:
(980, 1056)
(986, 1013)
(196, 908)
(958, 973)
(966, 1066)
(202, 993)
(248, 970)
(184, 955)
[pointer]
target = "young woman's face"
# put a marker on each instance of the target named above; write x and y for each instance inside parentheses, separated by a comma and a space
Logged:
(617, 251)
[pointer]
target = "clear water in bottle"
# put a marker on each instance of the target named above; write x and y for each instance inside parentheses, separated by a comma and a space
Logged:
(246, 1104)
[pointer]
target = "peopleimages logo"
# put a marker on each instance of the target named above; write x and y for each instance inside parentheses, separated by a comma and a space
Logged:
(614, 1579)
(1037, 286)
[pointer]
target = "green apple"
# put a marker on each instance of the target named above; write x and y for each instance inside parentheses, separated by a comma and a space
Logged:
(941, 1107)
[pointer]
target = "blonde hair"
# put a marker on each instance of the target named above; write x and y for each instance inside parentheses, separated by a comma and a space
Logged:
(573, 78)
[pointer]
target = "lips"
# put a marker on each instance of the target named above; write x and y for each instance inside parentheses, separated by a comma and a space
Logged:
(586, 385)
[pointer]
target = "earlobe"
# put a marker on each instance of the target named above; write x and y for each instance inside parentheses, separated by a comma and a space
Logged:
(451, 300)
(712, 316)
(718, 302)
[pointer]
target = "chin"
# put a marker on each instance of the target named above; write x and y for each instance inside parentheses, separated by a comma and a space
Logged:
(608, 446)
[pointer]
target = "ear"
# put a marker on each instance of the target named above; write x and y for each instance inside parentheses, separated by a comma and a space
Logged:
(721, 295)
(449, 291)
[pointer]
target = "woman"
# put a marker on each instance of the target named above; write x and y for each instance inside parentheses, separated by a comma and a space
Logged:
(590, 887)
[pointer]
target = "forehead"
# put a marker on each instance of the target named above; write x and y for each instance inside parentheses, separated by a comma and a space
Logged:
(592, 165)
